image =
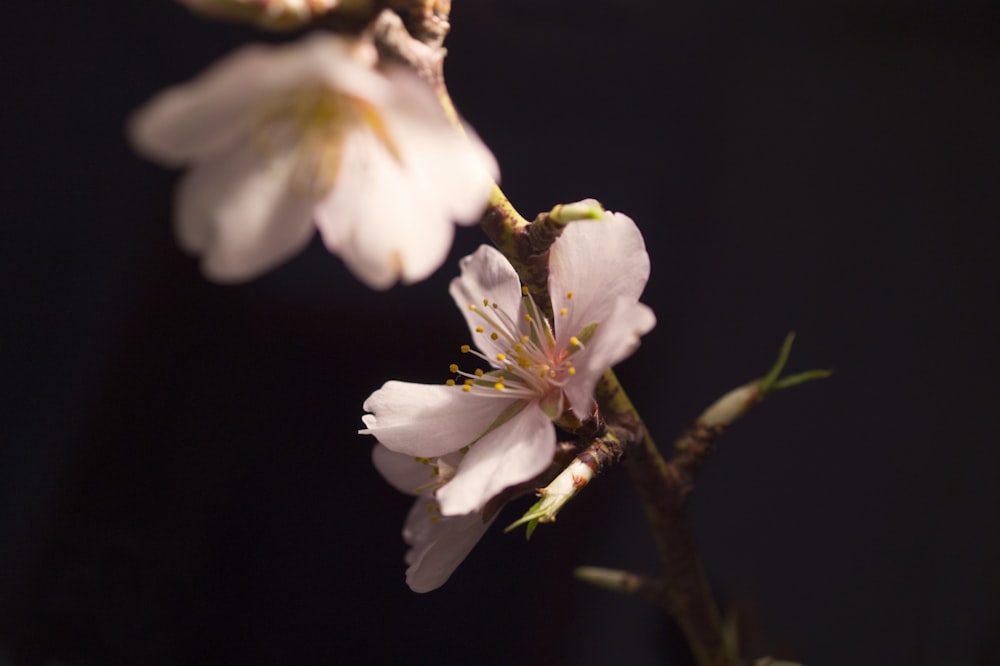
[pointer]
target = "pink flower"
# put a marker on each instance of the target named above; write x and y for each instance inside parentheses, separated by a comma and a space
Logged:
(283, 140)
(493, 426)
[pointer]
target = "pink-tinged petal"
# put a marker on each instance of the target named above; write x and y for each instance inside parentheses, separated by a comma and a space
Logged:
(239, 213)
(194, 121)
(404, 473)
(486, 275)
(429, 419)
(614, 340)
(515, 452)
(438, 544)
(598, 261)
(377, 220)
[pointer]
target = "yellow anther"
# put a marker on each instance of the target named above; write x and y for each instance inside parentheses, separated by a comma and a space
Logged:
(479, 372)
(466, 349)
(468, 382)
(575, 341)
(527, 317)
(493, 336)
(466, 388)
(431, 506)
(518, 348)
(453, 367)
(486, 301)
(498, 386)
(472, 306)
(450, 382)
(525, 338)
(569, 294)
(563, 311)
(571, 371)
(494, 306)
(479, 329)
(524, 291)
(501, 357)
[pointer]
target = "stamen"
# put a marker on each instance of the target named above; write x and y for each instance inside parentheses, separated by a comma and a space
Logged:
(479, 329)
(466, 349)
(569, 294)
(450, 382)
(562, 312)
(501, 357)
(453, 367)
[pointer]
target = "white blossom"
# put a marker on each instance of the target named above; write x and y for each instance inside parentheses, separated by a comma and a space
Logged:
(492, 425)
(285, 139)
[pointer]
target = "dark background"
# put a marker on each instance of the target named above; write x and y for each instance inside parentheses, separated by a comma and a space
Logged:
(180, 478)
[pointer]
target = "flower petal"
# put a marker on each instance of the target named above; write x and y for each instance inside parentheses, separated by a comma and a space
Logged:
(438, 544)
(459, 169)
(390, 215)
(240, 214)
(598, 261)
(429, 419)
(614, 340)
(404, 473)
(487, 276)
(515, 452)
(377, 219)
(193, 121)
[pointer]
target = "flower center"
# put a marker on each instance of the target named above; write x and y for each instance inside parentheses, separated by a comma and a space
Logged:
(531, 365)
(316, 122)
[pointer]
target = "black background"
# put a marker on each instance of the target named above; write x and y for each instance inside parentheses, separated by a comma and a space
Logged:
(180, 478)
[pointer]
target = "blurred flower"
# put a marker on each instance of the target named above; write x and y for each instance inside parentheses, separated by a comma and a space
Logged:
(274, 14)
(438, 544)
(284, 138)
(498, 419)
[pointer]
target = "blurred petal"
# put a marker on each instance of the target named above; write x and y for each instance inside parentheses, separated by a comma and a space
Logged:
(193, 121)
(238, 212)
(377, 221)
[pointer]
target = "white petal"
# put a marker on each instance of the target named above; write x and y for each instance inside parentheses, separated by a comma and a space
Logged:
(377, 220)
(615, 339)
(404, 473)
(515, 452)
(456, 172)
(390, 214)
(438, 546)
(239, 212)
(196, 120)
(486, 275)
(429, 419)
(598, 261)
